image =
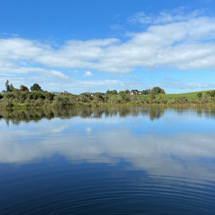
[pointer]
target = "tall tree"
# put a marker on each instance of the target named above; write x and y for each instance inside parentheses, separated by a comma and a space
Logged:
(35, 87)
(7, 86)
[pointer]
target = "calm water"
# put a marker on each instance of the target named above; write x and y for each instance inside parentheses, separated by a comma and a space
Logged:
(108, 161)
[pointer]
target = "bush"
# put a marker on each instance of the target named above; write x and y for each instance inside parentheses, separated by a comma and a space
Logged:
(9, 95)
(49, 96)
(38, 102)
(152, 94)
(208, 93)
(9, 104)
(37, 95)
(199, 95)
(24, 88)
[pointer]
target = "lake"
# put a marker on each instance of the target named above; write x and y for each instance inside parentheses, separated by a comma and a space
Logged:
(130, 160)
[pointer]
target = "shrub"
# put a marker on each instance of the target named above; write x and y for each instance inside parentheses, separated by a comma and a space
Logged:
(199, 95)
(9, 104)
(152, 94)
(24, 88)
(49, 96)
(9, 95)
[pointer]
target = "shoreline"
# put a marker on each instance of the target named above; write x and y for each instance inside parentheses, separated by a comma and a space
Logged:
(104, 105)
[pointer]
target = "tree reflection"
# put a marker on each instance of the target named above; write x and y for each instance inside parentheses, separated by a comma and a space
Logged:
(153, 112)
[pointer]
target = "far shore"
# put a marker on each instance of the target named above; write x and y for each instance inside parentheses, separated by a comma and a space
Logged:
(36, 98)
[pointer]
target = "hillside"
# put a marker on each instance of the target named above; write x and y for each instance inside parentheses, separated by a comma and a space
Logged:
(191, 95)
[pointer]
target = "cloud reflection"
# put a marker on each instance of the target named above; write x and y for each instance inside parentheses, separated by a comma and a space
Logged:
(180, 153)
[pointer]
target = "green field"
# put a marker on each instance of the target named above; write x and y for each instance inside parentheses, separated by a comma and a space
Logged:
(191, 95)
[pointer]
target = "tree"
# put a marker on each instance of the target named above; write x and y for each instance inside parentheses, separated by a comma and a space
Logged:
(115, 92)
(111, 92)
(121, 92)
(7, 86)
(162, 91)
(147, 91)
(143, 92)
(156, 90)
(212, 93)
(24, 88)
(208, 93)
(11, 87)
(35, 87)
(108, 92)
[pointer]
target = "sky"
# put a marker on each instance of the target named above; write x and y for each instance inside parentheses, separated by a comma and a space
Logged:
(96, 45)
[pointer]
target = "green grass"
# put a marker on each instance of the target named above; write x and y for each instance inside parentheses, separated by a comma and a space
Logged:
(191, 95)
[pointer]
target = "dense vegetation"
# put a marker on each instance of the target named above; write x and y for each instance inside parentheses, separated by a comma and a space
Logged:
(24, 98)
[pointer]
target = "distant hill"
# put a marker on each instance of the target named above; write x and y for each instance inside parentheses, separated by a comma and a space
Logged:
(191, 95)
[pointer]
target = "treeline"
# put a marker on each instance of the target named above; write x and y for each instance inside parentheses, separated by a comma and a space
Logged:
(153, 112)
(36, 97)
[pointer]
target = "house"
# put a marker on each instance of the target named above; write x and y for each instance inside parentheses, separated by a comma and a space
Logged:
(60, 93)
(135, 92)
(63, 92)
(56, 92)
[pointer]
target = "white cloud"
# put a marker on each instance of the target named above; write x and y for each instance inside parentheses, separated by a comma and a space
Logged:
(187, 44)
(155, 153)
(176, 15)
(88, 73)
(172, 40)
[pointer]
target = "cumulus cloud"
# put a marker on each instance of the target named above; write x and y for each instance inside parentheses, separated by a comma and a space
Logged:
(183, 44)
(171, 40)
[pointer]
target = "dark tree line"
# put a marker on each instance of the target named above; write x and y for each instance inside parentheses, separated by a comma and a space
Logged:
(23, 88)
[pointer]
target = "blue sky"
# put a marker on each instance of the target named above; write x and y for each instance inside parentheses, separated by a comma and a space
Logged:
(94, 45)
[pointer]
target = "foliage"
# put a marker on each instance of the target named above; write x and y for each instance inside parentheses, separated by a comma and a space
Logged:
(162, 91)
(24, 88)
(49, 96)
(35, 87)
(212, 93)
(39, 98)
(37, 95)
(10, 87)
(113, 92)
(7, 86)
(199, 95)
(158, 90)
(152, 94)
(208, 93)
(121, 92)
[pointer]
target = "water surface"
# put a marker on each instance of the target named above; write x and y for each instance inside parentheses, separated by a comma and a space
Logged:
(107, 161)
